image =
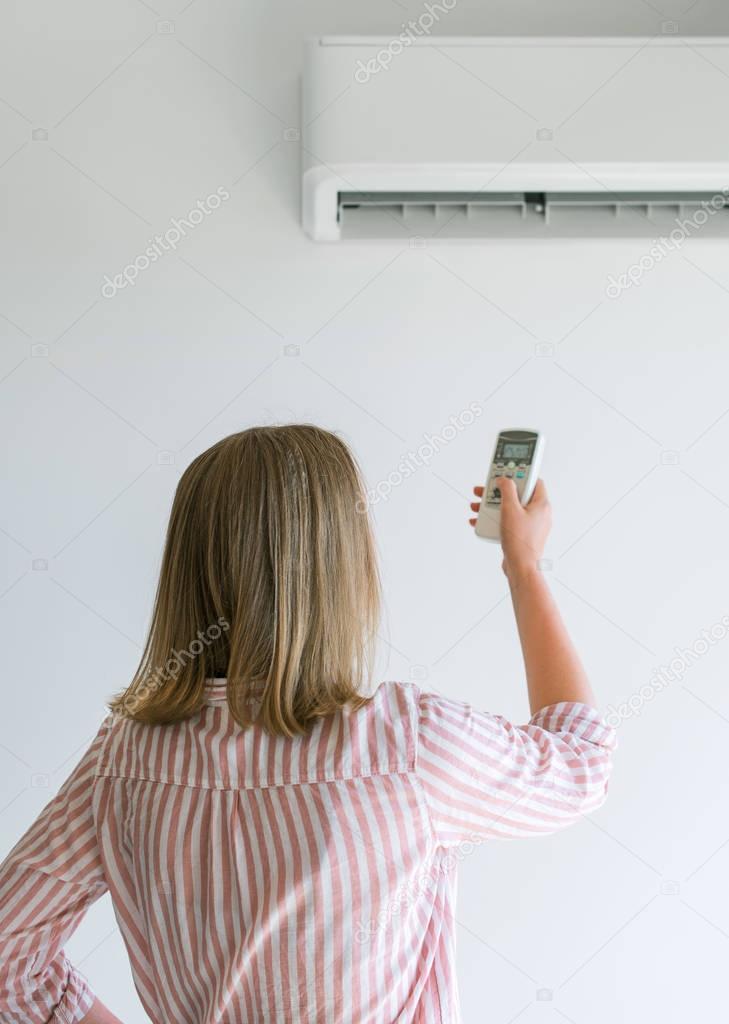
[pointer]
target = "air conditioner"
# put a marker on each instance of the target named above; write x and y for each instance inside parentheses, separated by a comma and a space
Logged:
(418, 136)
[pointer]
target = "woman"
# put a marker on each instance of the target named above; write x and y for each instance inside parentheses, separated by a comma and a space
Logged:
(279, 846)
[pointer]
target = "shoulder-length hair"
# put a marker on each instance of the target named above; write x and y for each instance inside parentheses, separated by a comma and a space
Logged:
(269, 578)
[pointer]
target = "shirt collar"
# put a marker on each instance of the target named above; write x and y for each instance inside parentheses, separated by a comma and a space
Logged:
(216, 690)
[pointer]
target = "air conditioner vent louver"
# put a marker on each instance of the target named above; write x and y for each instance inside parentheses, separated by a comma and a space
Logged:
(525, 214)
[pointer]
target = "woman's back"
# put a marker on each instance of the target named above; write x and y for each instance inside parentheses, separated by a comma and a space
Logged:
(262, 855)
(265, 878)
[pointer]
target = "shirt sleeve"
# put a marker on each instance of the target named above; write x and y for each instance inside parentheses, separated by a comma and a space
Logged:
(484, 777)
(47, 883)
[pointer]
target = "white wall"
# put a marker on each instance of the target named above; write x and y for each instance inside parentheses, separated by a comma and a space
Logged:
(625, 918)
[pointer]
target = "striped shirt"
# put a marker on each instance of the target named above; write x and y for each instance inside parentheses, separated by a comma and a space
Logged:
(259, 879)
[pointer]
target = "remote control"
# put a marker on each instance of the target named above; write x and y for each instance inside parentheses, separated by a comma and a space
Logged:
(518, 454)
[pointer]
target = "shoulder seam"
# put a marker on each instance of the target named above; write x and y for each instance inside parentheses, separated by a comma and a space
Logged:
(419, 784)
(104, 731)
(412, 697)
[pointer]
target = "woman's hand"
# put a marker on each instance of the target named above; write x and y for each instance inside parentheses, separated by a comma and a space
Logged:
(524, 528)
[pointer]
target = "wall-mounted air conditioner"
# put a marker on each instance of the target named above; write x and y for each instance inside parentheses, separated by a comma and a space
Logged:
(453, 137)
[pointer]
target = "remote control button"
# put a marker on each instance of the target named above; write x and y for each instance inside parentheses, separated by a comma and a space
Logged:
(510, 465)
(520, 474)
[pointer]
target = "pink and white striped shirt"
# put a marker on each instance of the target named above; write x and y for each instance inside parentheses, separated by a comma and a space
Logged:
(265, 880)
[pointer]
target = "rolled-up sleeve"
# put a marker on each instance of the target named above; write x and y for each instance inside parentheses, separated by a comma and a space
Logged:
(47, 883)
(482, 776)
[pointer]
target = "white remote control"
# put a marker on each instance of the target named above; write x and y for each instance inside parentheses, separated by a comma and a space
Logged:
(518, 454)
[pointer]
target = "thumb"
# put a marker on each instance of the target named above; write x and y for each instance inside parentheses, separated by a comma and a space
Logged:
(509, 495)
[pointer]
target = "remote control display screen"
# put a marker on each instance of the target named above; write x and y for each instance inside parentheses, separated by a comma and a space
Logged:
(516, 451)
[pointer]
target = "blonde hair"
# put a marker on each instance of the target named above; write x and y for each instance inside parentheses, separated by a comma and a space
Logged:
(269, 577)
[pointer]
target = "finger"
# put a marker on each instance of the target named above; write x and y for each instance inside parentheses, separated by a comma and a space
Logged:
(475, 506)
(508, 490)
(471, 522)
(478, 491)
